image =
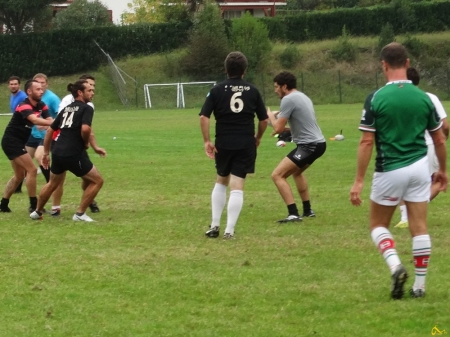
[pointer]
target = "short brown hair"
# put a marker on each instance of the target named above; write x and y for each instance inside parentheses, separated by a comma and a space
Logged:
(394, 54)
(40, 75)
(14, 78)
(235, 64)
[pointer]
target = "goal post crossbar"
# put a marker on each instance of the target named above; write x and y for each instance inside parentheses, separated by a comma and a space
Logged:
(180, 91)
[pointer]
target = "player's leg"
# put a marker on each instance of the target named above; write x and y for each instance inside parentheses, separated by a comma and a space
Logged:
(11, 186)
(302, 188)
(219, 192)
(387, 190)
(94, 183)
(38, 154)
(46, 191)
(416, 199)
(57, 196)
(93, 206)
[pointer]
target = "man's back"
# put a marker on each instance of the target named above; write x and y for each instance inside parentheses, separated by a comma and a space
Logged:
(399, 113)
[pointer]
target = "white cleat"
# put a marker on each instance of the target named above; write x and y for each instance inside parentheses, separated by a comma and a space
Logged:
(83, 217)
(35, 216)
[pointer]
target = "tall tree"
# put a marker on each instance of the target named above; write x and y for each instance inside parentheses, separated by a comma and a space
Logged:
(83, 14)
(143, 11)
(17, 15)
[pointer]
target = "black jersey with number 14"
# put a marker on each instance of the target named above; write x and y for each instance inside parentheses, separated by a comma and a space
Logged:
(69, 121)
(234, 103)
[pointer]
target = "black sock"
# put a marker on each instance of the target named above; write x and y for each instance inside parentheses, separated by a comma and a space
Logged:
(306, 206)
(46, 173)
(19, 188)
(33, 202)
(292, 209)
(79, 214)
(4, 202)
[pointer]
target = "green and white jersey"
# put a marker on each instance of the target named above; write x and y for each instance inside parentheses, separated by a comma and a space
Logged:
(398, 114)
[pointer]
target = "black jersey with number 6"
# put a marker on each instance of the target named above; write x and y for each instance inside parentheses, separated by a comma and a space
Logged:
(69, 121)
(234, 103)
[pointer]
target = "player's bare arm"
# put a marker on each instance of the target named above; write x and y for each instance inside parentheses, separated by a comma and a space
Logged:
(94, 145)
(39, 121)
(45, 161)
(86, 134)
(445, 127)
(262, 126)
(441, 154)
(364, 154)
(210, 149)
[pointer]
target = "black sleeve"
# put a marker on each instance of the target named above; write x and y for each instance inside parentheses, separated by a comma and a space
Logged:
(261, 110)
(56, 123)
(88, 115)
(45, 114)
(208, 106)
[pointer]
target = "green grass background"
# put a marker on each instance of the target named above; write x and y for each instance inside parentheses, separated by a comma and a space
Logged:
(146, 269)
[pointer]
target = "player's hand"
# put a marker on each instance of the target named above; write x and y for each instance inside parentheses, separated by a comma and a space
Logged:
(442, 178)
(45, 161)
(210, 150)
(86, 146)
(100, 151)
(258, 141)
(41, 127)
(355, 193)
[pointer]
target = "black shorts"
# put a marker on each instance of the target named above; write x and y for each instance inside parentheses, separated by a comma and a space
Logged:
(13, 148)
(78, 165)
(34, 142)
(237, 162)
(306, 154)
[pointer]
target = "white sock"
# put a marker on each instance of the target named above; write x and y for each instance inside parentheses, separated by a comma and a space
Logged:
(421, 249)
(384, 241)
(56, 207)
(234, 209)
(218, 200)
(403, 213)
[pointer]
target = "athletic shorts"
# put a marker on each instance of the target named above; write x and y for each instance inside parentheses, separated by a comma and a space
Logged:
(78, 165)
(306, 154)
(236, 162)
(432, 159)
(13, 148)
(411, 183)
(34, 142)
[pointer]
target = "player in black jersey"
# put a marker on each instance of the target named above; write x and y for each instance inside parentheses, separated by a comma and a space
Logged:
(69, 151)
(26, 114)
(234, 103)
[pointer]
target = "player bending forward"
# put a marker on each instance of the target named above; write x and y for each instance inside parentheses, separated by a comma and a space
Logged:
(69, 151)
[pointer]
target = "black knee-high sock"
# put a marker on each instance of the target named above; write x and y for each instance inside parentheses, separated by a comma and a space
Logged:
(19, 188)
(46, 173)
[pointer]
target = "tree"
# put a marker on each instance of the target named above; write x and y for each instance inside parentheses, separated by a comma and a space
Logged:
(251, 37)
(83, 14)
(18, 15)
(208, 44)
(144, 11)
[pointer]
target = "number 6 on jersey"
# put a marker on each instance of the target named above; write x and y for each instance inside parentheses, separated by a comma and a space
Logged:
(235, 100)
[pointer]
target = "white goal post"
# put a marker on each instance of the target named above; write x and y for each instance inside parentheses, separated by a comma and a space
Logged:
(180, 91)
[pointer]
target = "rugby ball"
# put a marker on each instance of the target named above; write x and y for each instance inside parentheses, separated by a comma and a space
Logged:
(281, 143)
(339, 137)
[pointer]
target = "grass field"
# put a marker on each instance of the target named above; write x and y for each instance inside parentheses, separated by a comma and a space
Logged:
(146, 269)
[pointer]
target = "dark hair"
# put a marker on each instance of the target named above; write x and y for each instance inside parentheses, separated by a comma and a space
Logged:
(28, 85)
(78, 85)
(285, 77)
(413, 75)
(394, 54)
(87, 77)
(14, 78)
(235, 64)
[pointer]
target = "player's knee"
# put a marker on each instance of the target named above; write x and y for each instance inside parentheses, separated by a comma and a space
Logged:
(32, 171)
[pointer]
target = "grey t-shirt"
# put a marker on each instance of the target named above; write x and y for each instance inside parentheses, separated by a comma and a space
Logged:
(299, 111)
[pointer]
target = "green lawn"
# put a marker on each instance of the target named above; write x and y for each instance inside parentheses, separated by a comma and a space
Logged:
(146, 269)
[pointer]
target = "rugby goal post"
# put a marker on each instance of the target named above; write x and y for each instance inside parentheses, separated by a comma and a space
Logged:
(181, 103)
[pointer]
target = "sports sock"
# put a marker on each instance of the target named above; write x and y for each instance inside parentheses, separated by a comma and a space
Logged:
(306, 206)
(403, 213)
(292, 209)
(234, 209)
(33, 202)
(421, 249)
(46, 173)
(4, 203)
(218, 201)
(384, 240)
(56, 207)
(79, 213)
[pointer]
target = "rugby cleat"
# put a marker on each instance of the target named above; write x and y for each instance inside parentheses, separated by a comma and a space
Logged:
(309, 214)
(228, 236)
(94, 207)
(213, 232)
(398, 281)
(291, 218)
(83, 217)
(36, 215)
(402, 224)
(416, 293)
(55, 212)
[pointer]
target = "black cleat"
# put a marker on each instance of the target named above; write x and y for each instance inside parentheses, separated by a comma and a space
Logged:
(17, 191)
(228, 236)
(416, 293)
(5, 209)
(398, 281)
(309, 214)
(291, 218)
(213, 232)
(94, 207)
(55, 212)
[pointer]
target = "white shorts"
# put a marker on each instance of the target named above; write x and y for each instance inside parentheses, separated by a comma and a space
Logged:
(432, 159)
(411, 183)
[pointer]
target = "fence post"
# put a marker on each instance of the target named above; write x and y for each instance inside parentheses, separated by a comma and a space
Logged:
(340, 88)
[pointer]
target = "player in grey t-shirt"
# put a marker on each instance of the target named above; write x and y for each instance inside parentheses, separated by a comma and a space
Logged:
(296, 109)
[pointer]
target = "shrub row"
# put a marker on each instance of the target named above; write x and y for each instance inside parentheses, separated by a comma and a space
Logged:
(317, 25)
(65, 52)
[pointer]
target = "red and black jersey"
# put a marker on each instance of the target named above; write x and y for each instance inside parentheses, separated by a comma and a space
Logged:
(234, 103)
(19, 127)
(69, 122)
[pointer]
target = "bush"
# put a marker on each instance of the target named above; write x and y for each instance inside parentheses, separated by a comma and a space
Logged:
(414, 46)
(290, 57)
(344, 50)
(387, 36)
